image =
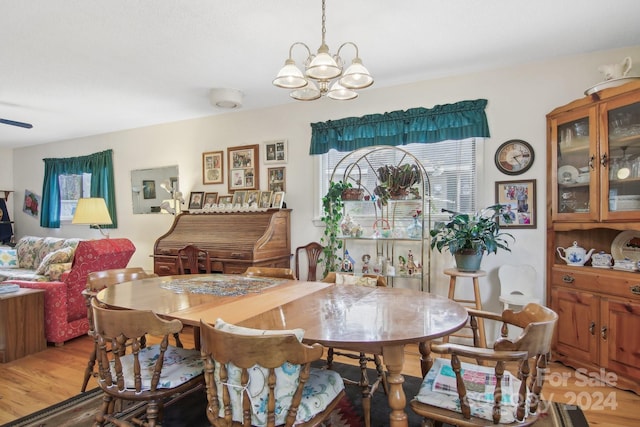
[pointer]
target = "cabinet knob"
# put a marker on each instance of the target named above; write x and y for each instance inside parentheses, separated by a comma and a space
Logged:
(568, 279)
(603, 332)
(591, 162)
(635, 289)
(603, 160)
(592, 327)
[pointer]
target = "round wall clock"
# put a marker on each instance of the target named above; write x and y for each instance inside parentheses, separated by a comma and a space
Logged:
(514, 157)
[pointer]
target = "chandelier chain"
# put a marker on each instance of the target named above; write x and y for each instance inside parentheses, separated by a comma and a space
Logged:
(324, 20)
(321, 69)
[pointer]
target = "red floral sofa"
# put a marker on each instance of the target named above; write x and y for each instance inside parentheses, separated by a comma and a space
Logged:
(65, 311)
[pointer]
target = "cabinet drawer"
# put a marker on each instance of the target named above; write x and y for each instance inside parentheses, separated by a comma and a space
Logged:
(165, 267)
(608, 282)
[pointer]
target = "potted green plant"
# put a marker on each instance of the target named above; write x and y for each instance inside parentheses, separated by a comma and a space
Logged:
(332, 212)
(397, 182)
(469, 236)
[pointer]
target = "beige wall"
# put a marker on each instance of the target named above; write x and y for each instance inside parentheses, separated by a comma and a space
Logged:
(519, 97)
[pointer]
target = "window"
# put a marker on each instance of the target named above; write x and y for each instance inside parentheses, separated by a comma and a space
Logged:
(451, 166)
(72, 187)
(98, 166)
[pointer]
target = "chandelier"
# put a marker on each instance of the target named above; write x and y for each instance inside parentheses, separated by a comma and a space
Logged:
(323, 68)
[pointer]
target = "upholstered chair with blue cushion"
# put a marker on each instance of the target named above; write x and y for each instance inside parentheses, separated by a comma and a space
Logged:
(481, 391)
(150, 374)
(97, 281)
(264, 378)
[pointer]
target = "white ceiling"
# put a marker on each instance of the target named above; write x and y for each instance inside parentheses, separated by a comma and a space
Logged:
(74, 68)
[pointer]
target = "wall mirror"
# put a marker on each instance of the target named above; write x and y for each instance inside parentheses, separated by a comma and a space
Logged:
(150, 188)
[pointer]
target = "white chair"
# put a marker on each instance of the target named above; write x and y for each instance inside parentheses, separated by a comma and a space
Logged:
(517, 285)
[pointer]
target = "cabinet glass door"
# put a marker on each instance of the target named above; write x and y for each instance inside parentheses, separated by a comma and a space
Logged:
(576, 169)
(623, 161)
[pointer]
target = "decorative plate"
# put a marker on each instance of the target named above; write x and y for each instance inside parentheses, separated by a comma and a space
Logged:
(626, 245)
(567, 174)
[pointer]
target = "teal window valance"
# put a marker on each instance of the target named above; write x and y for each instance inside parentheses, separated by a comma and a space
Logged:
(99, 165)
(464, 119)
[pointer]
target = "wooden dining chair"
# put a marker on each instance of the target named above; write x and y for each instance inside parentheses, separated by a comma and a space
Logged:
(275, 272)
(151, 374)
(97, 281)
(312, 251)
(456, 392)
(194, 260)
(264, 378)
(368, 388)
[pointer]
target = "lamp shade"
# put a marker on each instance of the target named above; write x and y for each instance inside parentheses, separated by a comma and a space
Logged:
(92, 211)
(309, 92)
(356, 76)
(290, 76)
(341, 93)
(323, 66)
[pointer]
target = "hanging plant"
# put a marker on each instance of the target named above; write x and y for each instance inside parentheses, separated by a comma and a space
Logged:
(332, 211)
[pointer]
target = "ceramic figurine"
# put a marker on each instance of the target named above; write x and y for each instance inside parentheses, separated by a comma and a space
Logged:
(365, 263)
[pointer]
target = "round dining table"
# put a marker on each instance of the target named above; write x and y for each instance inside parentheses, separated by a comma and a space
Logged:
(378, 320)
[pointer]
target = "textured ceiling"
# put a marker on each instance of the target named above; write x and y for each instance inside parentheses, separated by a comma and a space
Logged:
(82, 67)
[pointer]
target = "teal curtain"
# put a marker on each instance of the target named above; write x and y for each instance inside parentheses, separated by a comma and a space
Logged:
(99, 165)
(465, 119)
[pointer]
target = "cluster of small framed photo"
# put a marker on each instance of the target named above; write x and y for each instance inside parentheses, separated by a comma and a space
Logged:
(251, 199)
(242, 178)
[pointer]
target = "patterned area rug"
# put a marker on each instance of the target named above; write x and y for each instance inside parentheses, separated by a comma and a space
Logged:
(189, 411)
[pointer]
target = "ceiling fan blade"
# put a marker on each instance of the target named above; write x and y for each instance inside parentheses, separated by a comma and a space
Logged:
(14, 123)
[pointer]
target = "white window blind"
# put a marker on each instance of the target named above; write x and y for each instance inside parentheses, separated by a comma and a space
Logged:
(450, 165)
(72, 187)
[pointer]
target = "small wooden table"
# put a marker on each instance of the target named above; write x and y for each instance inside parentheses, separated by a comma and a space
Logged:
(21, 324)
(370, 319)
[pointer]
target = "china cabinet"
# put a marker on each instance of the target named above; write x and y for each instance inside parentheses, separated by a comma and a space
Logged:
(593, 195)
(385, 231)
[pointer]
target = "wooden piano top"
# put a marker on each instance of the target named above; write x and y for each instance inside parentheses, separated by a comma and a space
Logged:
(233, 231)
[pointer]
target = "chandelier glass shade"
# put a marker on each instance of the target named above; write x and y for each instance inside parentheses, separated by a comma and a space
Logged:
(319, 71)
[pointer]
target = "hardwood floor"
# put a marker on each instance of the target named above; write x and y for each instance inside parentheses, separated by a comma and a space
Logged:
(42, 379)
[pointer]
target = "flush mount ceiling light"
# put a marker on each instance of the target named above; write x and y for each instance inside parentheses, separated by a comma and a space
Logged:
(323, 67)
(226, 98)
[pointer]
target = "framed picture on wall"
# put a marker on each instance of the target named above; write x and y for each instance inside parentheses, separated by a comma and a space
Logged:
(148, 189)
(244, 172)
(277, 178)
(31, 203)
(519, 199)
(275, 151)
(212, 167)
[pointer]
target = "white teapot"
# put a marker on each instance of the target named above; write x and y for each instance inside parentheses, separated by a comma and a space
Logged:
(575, 255)
(616, 71)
